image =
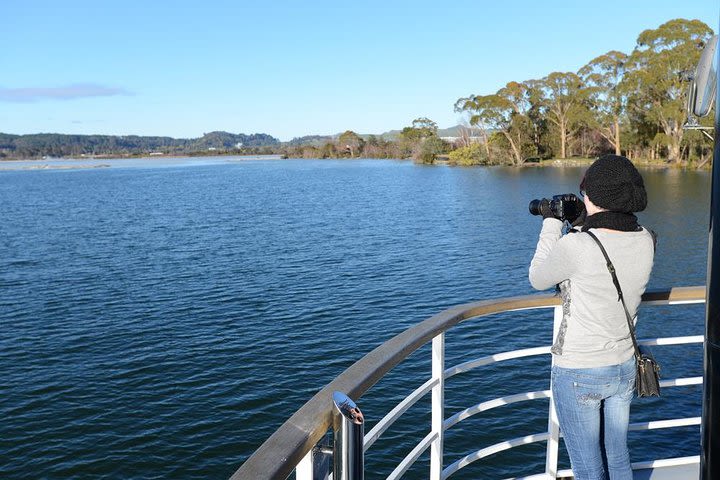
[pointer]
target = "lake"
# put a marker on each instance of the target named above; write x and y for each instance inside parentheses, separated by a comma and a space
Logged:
(163, 319)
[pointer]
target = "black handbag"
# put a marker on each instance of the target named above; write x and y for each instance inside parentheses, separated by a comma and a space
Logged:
(647, 380)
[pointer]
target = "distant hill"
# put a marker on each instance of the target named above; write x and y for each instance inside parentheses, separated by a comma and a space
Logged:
(314, 140)
(319, 140)
(450, 132)
(232, 140)
(61, 145)
(390, 135)
(453, 131)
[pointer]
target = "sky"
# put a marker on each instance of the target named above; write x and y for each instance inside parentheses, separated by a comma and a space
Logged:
(291, 68)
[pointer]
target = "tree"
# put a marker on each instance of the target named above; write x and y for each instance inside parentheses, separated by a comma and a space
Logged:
(430, 147)
(472, 154)
(564, 98)
(421, 128)
(350, 141)
(413, 137)
(655, 81)
(603, 75)
(506, 112)
(328, 150)
(463, 105)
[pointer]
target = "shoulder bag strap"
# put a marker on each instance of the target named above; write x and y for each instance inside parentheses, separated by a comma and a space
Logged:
(611, 268)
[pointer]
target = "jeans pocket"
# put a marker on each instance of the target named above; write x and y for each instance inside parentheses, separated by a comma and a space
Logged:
(590, 394)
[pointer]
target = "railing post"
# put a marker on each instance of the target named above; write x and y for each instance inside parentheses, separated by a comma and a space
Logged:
(438, 407)
(349, 426)
(551, 454)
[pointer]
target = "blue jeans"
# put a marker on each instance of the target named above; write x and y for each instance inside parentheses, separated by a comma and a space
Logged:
(593, 407)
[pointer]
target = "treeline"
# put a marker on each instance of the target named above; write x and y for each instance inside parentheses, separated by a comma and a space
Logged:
(59, 145)
(631, 104)
(419, 141)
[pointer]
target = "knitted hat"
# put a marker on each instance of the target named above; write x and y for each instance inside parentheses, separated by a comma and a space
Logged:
(612, 182)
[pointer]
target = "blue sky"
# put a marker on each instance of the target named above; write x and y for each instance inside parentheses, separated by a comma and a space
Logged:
(287, 68)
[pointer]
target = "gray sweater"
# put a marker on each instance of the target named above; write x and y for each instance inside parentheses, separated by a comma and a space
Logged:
(594, 330)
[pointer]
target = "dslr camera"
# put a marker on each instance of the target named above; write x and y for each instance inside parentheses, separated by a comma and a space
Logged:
(563, 207)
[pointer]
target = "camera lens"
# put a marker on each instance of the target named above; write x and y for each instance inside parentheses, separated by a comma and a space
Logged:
(535, 207)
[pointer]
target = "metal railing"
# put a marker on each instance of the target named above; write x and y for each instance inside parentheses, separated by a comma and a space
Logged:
(294, 440)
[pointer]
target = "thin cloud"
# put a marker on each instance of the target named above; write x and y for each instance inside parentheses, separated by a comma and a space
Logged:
(69, 92)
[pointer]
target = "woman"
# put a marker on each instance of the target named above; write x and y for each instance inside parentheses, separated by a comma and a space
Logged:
(593, 374)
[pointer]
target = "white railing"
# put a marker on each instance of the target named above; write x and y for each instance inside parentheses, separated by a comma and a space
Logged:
(439, 424)
(292, 444)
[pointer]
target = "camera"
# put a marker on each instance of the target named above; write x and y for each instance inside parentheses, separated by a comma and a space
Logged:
(563, 207)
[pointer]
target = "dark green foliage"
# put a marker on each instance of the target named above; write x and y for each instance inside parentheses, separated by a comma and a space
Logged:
(430, 148)
(59, 145)
(229, 140)
(421, 128)
(419, 141)
(350, 143)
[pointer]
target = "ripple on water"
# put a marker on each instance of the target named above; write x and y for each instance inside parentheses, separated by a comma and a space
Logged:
(163, 322)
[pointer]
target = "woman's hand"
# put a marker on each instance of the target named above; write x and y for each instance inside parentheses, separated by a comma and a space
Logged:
(545, 209)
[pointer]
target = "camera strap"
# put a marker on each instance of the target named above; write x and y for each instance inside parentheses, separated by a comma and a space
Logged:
(616, 282)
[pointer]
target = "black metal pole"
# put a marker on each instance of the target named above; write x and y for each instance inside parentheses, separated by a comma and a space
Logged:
(710, 430)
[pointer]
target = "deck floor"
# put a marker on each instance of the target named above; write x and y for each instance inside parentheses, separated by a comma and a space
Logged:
(678, 472)
(686, 471)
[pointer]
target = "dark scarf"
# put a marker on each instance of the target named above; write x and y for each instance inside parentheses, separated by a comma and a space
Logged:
(625, 222)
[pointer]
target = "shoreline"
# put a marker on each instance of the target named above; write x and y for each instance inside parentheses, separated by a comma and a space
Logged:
(69, 163)
(586, 162)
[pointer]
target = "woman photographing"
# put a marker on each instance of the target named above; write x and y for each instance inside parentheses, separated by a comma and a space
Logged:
(594, 368)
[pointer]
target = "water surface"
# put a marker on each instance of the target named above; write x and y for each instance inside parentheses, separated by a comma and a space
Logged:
(162, 319)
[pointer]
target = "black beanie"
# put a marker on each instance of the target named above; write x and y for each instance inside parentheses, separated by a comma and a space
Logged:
(612, 182)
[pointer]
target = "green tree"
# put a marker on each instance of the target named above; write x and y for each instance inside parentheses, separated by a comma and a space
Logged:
(655, 79)
(603, 75)
(431, 147)
(328, 150)
(350, 141)
(473, 154)
(564, 98)
(421, 128)
(413, 137)
(506, 112)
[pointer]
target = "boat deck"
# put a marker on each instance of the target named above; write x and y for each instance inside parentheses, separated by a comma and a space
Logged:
(676, 472)
(688, 469)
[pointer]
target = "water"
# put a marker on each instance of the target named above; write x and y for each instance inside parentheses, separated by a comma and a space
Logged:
(162, 319)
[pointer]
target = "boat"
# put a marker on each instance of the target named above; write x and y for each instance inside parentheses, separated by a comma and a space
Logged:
(298, 445)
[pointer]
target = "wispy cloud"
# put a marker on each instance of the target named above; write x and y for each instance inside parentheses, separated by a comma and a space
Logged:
(69, 92)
